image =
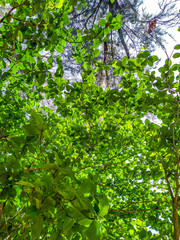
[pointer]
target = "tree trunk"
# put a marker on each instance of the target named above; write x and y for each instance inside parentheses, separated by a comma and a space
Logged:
(176, 221)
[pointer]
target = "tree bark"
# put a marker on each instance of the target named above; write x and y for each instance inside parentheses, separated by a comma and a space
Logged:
(176, 221)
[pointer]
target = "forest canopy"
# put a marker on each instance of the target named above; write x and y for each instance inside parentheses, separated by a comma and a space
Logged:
(80, 159)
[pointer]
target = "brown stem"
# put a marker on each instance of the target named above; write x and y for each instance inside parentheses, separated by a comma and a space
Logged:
(32, 169)
(3, 135)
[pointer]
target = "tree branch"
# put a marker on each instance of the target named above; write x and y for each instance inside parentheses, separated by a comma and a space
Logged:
(14, 7)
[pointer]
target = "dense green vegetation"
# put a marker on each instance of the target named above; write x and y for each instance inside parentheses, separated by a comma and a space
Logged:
(88, 168)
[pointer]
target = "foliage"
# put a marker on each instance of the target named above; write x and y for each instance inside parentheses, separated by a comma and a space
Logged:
(91, 169)
(139, 29)
(134, 32)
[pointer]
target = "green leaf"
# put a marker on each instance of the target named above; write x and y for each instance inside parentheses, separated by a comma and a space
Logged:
(124, 60)
(105, 67)
(109, 17)
(32, 212)
(79, 6)
(66, 20)
(41, 78)
(47, 181)
(26, 184)
(96, 42)
(59, 49)
(2, 3)
(36, 117)
(85, 222)
(119, 16)
(142, 234)
(37, 226)
(20, 36)
(36, 126)
(103, 207)
(62, 42)
(176, 55)
(144, 54)
(31, 129)
(47, 204)
(93, 231)
(60, 4)
(102, 22)
(67, 225)
(177, 46)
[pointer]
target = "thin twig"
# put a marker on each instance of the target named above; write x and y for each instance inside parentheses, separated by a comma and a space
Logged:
(4, 136)
(32, 169)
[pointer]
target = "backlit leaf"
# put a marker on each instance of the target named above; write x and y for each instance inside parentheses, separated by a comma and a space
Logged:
(60, 4)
